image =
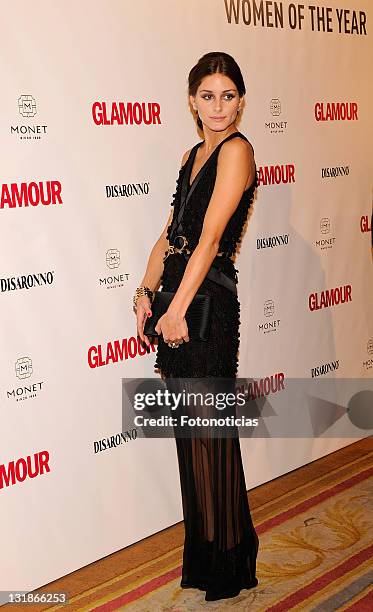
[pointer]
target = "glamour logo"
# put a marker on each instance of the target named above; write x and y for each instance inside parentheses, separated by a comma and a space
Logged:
(24, 369)
(325, 369)
(272, 241)
(262, 386)
(335, 172)
(117, 440)
(336, 111)
(330, 297)
(274, 175)
(114, 281)
(269, 311)
(119, 350)
(276, 127)
(26, 467)
(27, 108)
(127, 191)
(365, 224)
(25, 194)
(26, 282)
(141, 113)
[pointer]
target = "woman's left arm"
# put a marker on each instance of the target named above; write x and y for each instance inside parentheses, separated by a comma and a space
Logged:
(235, 165)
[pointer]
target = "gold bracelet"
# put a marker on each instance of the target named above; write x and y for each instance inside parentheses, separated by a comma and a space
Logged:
(143, 290)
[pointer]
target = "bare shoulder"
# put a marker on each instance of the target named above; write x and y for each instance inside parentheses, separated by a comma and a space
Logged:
(185, 157)
(237, 148)
(236, 159)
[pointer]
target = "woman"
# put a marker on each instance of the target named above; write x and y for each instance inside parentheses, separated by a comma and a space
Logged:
(216, 186)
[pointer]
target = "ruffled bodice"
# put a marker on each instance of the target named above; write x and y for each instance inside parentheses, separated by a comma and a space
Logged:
(217, 356)
(195, 210)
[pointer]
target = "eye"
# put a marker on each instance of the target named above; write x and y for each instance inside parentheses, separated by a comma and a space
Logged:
(208, 96)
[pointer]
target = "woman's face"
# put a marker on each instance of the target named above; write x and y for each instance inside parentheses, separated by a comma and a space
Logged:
(217, 102)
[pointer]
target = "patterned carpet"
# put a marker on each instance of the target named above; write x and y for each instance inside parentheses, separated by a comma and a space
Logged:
(316, 533)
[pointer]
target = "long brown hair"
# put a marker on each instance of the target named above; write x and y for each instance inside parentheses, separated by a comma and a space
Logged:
(211, 63)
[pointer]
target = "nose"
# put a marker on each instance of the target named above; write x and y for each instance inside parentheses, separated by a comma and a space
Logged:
(217, 106)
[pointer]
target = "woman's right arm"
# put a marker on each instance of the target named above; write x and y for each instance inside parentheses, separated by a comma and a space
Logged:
(153, 273)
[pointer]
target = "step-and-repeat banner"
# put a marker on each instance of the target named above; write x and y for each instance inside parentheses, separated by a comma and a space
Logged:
(94, 122)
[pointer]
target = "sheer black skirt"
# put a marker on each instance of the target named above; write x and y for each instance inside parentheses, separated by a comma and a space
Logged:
(221, 543)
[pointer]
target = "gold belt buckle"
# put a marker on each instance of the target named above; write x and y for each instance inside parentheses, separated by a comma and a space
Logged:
(173, 249)
(181, 249)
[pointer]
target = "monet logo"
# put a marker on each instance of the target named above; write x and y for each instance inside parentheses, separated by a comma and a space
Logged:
(325, 225)
(24, 370)
(27, 109)
(112, 258)
(275, 107)
(27, 106)
(23, 367)
(271, 325)
(115, 280)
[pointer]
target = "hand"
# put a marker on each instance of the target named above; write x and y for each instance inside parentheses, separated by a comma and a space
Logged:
(173, 327)
(143, 310)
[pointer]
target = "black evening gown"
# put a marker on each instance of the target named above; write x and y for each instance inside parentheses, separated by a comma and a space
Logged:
(221, 543)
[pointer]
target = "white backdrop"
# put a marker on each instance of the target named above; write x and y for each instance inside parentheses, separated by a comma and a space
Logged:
(83, 256)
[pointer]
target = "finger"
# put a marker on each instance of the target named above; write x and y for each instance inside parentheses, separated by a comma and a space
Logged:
(146, 338)
(186, 335)
(140, 327)
(158, 327)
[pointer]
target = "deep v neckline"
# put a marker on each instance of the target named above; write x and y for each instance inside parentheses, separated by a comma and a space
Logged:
(190, 184)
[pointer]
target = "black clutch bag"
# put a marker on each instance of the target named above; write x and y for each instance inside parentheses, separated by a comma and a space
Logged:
(198, 315)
